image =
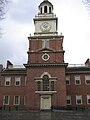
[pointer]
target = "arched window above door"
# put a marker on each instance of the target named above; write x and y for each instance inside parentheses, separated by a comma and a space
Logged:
(45, 83)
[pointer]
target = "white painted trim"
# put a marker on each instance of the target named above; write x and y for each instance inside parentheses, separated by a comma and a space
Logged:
(4, 100)
(8, 79)
(44, 58)
(46, 92)
(18, 100)
(18, 80)
(77, 99)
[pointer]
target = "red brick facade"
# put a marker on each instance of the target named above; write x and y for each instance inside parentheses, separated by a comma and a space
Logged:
(46, 81)
(83, 88)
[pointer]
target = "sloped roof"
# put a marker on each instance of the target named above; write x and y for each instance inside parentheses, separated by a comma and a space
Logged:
(14, 71)
(73, 70)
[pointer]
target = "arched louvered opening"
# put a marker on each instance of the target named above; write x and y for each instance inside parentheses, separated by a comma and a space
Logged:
(45, 9)
(50, 10)
(41, 10)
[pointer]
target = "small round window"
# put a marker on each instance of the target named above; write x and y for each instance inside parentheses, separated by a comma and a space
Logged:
(45, 57)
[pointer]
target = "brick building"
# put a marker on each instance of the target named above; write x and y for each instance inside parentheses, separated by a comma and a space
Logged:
(45, 81)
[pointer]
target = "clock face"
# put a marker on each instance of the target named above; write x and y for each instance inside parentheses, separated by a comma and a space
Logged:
(45, 26)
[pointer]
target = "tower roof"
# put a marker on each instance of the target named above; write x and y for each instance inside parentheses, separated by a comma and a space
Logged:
(46, 2)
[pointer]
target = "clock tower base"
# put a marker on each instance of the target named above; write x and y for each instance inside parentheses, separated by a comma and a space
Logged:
(46, 86)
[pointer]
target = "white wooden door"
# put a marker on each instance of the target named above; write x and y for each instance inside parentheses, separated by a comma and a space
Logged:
(45, 102)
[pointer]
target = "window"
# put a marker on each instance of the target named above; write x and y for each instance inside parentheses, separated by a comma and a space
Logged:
(87, 79)
(45, 57)
(68, 100)
(25, 80)
(88, 99)
(16, 100)
(39, 85)
(6, 100)
(7, 81)
(77, 80)
(52, 85)
(78, 99)
(67, 80)
(45, 44)
(17, 81)
(45, 9)
(24, 100)
(45, 83)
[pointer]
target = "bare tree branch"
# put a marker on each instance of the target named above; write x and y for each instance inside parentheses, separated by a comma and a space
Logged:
(3, 4)
(87, 4)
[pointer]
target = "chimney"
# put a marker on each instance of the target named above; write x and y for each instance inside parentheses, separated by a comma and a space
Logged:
(87, 63)
(1, 67)
(9, 65)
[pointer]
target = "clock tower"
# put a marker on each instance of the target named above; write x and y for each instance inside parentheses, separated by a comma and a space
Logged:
(45, 22)
(46, 87)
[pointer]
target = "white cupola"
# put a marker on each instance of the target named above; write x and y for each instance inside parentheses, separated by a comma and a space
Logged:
(46, 7)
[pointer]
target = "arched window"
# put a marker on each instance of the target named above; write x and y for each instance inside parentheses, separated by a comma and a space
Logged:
(45, 9)
(45, 83)
(49, 9)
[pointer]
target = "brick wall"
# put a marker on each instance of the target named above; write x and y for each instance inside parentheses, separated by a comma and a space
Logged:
(81, 89)
(58, 99)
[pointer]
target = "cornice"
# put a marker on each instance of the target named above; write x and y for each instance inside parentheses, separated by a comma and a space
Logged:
(46, 37)
(55, 51)
(46, 65)
(78, 72)
(14, 72)
(39, 18)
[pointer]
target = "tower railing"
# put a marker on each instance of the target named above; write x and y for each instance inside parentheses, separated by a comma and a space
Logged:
(76, 65)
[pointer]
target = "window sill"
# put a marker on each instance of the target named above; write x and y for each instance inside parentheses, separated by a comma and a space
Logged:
(46, 92)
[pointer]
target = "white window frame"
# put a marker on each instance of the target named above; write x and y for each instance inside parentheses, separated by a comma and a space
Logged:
(4, 100)
(88, 97)
(18, 100)
(8, 79)
(68, 79)
(69, 98)
(45, 43)
(77, 78)
(87, 77)
(79, 97)
(17, 79)
(43, 57)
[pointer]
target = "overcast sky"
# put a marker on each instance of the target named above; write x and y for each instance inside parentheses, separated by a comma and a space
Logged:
(74, 23)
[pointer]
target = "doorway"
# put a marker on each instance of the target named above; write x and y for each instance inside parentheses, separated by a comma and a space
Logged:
(45, 102)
